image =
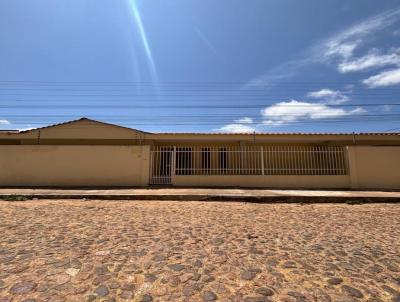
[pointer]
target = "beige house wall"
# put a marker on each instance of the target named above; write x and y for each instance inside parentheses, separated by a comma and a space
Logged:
(74, 165)
(370, 168)
(374, 167)
(267, 181)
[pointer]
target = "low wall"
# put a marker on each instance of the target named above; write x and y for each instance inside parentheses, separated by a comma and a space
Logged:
(74, 165)
(374, 167)
(267, 181)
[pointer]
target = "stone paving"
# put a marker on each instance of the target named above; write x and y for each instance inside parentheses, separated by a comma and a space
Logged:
(59, 250)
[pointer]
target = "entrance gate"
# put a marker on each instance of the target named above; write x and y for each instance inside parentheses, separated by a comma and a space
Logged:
(168, 161)
(161, 164)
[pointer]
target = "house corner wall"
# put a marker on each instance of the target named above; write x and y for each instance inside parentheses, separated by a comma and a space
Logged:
(374, 167)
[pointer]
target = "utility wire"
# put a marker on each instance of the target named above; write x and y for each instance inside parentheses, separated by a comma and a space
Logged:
(211, 106)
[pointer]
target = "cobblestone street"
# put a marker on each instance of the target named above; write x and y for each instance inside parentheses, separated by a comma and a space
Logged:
(57, 250)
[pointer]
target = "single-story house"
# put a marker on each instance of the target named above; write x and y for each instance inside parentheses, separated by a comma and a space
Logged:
(86, 152)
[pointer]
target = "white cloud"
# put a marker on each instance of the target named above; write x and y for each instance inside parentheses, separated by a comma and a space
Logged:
(286, 112)
(372, 60)
(237, 128)
(343, 44)
(241, 125)
(329, 96)
(383, 79)
(4, 122)
(26, 128)
(245, 120)
(323, 93)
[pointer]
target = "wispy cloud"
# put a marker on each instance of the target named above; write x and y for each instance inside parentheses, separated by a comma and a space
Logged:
(329, 96)
(282, 72)
(245, 120)
(358, 35)
(383, 79)
(206, 41)
(292, 111)
(336, 49)
(342, 45)
(387, 108)
(373, 59)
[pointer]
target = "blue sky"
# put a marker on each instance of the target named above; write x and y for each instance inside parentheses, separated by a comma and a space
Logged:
(202, 65)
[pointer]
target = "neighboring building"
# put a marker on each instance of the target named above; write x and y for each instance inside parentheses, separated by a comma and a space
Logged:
(90, 153)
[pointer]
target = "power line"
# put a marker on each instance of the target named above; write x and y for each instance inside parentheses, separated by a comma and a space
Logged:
(396, 113)
(202, 121)
(167, 88)
(189, 95)
(245, 84)
(211, 106)
(173, 82)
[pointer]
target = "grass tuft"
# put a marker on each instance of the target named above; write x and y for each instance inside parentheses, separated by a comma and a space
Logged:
(354, 202)
(16, 197)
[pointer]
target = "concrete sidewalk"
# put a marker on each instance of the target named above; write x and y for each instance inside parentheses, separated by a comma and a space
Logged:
(191, 194)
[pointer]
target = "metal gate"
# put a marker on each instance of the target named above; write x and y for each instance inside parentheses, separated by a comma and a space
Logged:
(168, 161)
(161, 165)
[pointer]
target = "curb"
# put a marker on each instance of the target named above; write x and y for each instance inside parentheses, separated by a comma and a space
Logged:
(227, 198)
